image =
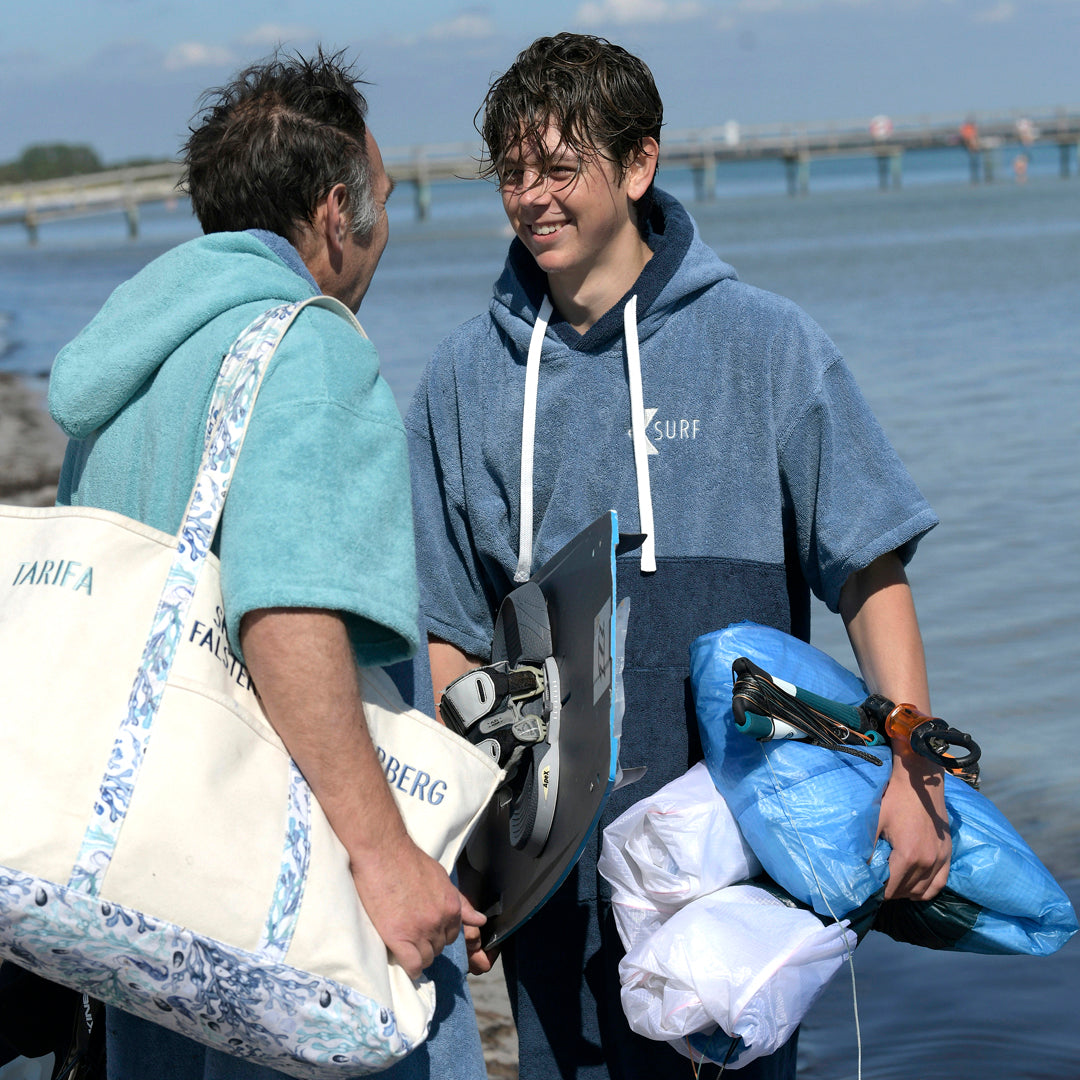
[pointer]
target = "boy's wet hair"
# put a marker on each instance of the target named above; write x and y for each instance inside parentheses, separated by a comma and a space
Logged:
(267, 148)
(602, 99)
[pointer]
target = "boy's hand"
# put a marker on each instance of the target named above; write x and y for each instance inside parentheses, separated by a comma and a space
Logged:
(914, 821)
(481, 960)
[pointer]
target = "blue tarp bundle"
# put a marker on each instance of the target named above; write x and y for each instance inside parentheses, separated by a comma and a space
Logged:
(810, 815)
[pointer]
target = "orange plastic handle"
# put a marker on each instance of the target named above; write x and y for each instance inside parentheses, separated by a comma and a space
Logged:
(903, 720)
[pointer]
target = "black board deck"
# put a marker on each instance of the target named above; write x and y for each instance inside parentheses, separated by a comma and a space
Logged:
(509, 884)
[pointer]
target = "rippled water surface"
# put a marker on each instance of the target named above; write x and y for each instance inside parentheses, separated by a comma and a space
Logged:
(958, 308)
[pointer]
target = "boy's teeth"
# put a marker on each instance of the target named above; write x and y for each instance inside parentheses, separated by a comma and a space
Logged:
(545, 230)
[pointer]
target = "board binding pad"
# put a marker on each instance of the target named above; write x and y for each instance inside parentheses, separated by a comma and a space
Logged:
(537, 824)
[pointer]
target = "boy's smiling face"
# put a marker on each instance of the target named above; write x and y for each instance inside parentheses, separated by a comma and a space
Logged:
(574, 214)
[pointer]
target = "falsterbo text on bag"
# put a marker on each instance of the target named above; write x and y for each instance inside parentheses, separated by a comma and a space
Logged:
(410, 780)
(213, 638)
(66, 573)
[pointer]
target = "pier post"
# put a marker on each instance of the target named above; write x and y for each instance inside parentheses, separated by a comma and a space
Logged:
(896, 169)
(1064, 150)
(423, 198)
(705, 177)
(798, 173)
(31, 219)
(131, 212)
(890, 169)
(422, 187)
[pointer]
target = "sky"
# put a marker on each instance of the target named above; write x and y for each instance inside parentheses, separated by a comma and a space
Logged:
(125, 75)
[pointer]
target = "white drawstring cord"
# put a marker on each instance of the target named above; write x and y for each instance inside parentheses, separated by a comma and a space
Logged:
(528, 434)
(641, 444)
(821, 892)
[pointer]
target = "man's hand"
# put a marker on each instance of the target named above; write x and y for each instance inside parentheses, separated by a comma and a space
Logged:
(914, 821)
(413, 905)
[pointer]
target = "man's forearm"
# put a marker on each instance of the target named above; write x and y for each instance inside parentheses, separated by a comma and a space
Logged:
(302, 663)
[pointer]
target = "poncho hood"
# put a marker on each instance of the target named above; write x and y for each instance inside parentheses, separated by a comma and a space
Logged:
(148, 317)
(682, 266)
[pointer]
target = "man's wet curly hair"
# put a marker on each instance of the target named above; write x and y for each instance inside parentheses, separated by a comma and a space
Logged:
(265, 150)
(601, 98)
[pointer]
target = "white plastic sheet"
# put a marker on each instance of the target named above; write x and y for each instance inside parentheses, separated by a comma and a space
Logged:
(703, 951)
(740, 959)
(671, 847)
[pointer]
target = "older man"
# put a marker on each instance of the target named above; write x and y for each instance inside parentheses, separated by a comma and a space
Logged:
(316, 542)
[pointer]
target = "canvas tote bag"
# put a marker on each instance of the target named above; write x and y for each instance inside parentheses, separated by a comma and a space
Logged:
(158, 847)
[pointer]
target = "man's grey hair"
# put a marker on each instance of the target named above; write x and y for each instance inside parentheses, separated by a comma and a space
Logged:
(363, 210)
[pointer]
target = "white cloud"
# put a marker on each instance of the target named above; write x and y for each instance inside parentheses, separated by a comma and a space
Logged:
(272, 34)
(191, 54)
(763, 6)
(472, 24)
(1002, 11)
(621, 12)
(768, 7)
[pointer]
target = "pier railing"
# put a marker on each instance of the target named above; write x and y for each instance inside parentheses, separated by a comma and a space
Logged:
(699, 149)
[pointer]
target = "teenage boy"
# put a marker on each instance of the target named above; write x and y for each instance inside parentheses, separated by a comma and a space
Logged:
(718, 419)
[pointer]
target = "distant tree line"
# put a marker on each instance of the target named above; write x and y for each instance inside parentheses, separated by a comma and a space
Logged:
(48, 161)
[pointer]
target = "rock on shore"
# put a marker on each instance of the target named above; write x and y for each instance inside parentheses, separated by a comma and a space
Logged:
(31, 446)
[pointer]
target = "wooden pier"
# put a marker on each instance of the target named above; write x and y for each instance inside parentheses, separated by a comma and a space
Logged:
(114, 190)
(701, 150)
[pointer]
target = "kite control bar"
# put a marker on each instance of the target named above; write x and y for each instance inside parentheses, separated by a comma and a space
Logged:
(768, 708)
(765, 707)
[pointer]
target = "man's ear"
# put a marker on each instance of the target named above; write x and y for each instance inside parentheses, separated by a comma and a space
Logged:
(642, 168)
(335, 221)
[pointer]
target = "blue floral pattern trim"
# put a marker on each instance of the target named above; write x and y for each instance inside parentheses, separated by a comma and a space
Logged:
(244, 1003)
(234, 394)
(289, 890)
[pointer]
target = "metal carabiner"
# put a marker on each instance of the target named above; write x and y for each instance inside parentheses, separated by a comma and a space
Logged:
(931, 737)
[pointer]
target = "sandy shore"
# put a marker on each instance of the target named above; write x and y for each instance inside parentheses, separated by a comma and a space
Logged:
(31, 451)
(31, 446)
(497, 1032)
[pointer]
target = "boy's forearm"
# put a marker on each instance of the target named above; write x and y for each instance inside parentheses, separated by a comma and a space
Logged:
(448, 662)
(879, 613)
(878, 610)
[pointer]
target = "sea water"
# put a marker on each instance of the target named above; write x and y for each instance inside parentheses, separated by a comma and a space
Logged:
(958, 309)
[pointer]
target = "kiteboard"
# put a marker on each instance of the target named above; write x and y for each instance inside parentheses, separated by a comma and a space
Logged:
(554, 646)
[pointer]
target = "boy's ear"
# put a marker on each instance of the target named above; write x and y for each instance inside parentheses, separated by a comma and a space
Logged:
(642, 168)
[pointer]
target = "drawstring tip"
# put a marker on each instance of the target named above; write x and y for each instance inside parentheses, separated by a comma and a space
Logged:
(648, 556)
